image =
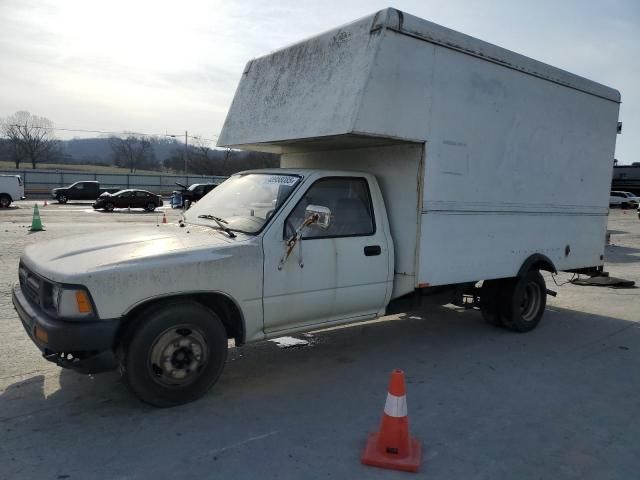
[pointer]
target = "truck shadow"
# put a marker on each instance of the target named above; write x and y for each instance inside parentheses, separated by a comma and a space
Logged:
(438, 336)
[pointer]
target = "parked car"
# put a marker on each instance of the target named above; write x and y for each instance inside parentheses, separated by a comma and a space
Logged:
(128, 199)
(86, 190)
(11, 189)
(188, 195)
(623, 200)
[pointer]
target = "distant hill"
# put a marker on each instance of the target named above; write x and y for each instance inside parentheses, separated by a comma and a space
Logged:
(168, 156)
(98, 150)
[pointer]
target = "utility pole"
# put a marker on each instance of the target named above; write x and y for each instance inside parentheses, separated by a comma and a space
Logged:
(186, 152)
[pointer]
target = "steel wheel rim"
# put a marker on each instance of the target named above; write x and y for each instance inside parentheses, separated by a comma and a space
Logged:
(178, 355)
(531, 300)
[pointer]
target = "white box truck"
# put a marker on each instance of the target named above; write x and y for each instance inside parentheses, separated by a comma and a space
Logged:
(11, 189)
(417, 164)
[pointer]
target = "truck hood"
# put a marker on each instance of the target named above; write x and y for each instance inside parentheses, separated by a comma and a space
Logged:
(71, 259)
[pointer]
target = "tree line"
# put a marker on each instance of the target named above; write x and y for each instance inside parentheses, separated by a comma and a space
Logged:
(31, 138)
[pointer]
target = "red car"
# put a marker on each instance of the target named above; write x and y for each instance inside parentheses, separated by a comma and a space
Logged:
(128, 199)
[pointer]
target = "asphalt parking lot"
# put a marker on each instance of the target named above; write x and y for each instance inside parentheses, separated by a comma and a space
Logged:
(561, 402)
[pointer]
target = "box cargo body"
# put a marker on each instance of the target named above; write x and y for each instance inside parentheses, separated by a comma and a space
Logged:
(485, 157)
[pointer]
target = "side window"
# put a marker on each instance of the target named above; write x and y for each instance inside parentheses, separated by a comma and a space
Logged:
(349, 201)
(79, 186)
(141, 194)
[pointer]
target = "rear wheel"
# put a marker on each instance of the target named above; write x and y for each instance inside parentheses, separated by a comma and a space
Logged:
(5, 201)
(523, 302)
(174, 354)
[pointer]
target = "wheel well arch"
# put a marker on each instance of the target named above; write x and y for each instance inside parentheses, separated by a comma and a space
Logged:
(4, 194)
(222, 304)
(537, 261)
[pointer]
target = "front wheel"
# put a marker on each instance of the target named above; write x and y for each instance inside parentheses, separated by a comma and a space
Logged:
(150, 207)
(5, 201)
(61, 198)
(175, 353)
(109, 206)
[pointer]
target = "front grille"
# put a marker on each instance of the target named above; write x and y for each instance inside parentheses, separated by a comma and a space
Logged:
(31, 285)
(37, 290)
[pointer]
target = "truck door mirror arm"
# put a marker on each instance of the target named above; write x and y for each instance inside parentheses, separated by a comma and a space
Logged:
(314, 215)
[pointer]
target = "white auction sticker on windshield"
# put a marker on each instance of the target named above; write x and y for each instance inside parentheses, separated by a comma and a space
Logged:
(281, 179)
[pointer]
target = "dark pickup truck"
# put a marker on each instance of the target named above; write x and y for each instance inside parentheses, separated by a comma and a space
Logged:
(88, 190)
(191, 194)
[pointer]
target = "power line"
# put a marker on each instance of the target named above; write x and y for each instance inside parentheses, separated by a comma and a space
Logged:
(124, 132)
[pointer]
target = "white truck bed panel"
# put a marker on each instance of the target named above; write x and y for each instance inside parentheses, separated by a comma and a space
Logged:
(467, 247)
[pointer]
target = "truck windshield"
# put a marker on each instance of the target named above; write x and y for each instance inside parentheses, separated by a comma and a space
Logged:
(244, 202)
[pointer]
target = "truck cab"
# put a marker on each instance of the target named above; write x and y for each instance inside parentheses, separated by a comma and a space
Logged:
(268, 252)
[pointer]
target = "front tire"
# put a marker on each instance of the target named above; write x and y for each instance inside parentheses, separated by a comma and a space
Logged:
(109, 206)
(174, 354)
(150, 207)
(523, 302)
(62, 198)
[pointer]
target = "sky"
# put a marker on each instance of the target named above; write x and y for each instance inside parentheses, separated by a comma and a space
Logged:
(157, 66)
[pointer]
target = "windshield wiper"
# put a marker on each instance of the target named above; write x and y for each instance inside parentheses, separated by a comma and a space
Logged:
(220, 222)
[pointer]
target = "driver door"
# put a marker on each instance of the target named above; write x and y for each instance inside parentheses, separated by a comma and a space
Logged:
(342, 273)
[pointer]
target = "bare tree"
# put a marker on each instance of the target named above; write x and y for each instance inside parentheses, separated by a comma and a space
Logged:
(132, 152)
(32, 137)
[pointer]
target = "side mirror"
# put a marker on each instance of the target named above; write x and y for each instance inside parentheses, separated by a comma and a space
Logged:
(314, 215)
(321, 216)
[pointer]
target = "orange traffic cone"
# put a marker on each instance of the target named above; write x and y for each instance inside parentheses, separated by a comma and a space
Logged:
(45, 203)
(392, 447)
(164, 218)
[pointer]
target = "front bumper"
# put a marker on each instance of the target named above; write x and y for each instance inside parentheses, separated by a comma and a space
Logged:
(86, 346)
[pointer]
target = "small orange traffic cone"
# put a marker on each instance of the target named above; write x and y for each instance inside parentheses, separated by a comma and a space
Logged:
(392, 447)
(164, 218)
(45, 204)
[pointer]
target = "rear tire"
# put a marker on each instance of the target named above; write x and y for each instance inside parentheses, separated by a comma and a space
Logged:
(174, 354)
(523, 301)
(5, 201)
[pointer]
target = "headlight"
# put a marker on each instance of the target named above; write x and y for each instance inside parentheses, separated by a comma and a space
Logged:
(71, 302)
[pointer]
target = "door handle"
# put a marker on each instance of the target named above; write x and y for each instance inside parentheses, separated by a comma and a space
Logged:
(372, 250)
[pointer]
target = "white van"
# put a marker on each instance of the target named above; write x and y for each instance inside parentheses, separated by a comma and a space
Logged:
(11, 189)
